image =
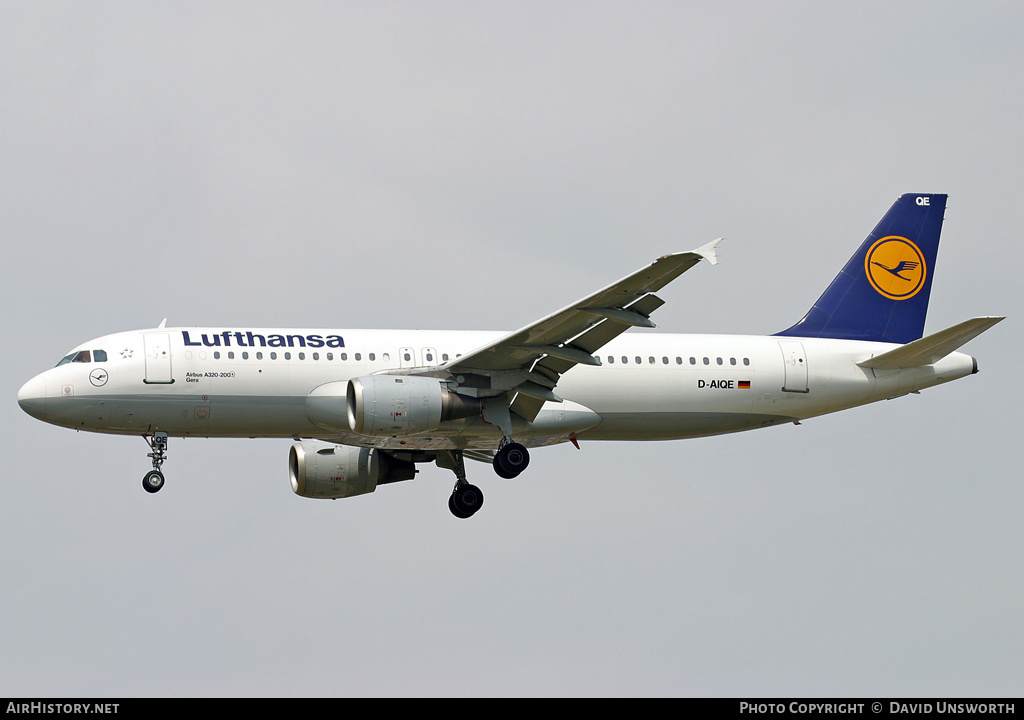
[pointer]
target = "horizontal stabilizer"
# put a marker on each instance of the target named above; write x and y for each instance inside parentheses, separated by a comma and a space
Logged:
(931, 348)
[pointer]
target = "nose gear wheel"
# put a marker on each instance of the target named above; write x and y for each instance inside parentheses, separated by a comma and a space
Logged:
(154, 479)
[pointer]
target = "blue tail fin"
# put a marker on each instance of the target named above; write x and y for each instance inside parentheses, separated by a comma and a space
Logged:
(882, 293)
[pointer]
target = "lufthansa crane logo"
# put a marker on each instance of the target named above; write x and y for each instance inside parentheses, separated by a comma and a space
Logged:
(895, 267)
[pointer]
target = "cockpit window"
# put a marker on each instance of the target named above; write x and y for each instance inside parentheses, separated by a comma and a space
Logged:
(82, 356)
(99, 355)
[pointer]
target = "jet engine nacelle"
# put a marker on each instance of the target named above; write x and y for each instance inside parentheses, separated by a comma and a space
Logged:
(325, 470)
(395, 405)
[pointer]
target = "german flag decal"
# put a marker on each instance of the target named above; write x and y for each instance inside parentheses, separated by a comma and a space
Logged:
(743, 384)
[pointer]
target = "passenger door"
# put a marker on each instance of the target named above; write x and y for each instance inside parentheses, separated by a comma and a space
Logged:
(158, 358)
(795, 363)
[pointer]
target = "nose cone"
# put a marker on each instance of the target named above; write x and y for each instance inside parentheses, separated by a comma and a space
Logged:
(32, 397)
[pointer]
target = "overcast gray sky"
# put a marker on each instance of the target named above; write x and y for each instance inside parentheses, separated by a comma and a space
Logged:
(477, 165)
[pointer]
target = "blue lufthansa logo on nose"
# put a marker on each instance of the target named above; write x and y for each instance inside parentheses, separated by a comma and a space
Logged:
(98, 377)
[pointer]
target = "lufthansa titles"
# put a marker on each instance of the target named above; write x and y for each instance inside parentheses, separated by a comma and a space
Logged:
(247, 338)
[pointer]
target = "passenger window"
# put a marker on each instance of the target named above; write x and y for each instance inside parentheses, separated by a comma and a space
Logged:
(330, 356)
(638, 360)
(216, 354)
(287, 356)
(746, 361)
(302, 356)
(651, 359)
(245, 355)
(259, 356)
(359, 356)
(444, 357)
(611, 359)
(679, 360)
(430, 357)
(719, 361)
(664, 361)
(316, 356)
(625, 360)
(273, 356)
(343, 356)
(693, 360)
(732, 361)
(707, 361)
(372, 357)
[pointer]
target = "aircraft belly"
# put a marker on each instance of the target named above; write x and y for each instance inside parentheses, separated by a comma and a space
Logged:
(285, 417)
(186, 415)
(677, 425)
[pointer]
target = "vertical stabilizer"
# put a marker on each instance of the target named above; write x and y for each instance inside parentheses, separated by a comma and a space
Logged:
(882, 293)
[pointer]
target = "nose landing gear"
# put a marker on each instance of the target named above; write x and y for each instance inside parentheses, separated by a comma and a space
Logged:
(154, 479)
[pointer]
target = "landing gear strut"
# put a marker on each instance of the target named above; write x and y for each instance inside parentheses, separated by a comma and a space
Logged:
(465, 499)
(154, 479)
(512, 457)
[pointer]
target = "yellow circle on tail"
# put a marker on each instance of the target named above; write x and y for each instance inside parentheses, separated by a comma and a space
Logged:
(895, 267)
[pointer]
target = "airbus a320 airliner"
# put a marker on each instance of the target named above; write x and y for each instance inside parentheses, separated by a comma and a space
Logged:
(365, 406)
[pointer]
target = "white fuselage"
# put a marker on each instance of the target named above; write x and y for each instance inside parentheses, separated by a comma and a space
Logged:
(215, 382)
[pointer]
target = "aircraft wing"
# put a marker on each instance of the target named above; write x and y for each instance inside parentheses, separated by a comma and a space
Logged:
(530, 361)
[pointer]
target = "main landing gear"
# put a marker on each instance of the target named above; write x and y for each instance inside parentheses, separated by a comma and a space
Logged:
(510, 460)
(465, 499)
(154, 479)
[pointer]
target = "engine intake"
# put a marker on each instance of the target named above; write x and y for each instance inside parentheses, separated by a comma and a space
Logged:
(324, 470)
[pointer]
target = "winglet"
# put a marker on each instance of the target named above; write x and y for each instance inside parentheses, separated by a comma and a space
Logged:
(708, 251)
